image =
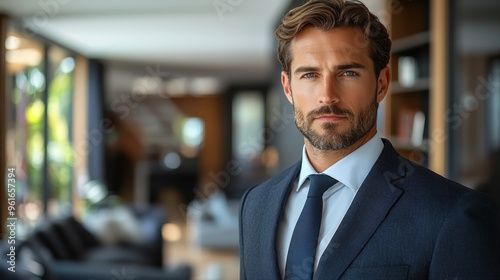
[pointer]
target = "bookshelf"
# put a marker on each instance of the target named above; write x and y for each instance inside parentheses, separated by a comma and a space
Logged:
(414, 113)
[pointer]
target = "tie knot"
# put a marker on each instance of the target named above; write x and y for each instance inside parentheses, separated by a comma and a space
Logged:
(319, 184)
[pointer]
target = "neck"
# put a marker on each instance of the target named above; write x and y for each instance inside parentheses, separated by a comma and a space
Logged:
(322, 159)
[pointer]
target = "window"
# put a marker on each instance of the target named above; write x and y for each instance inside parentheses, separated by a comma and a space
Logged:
(59, 146)
(39, 89)
(248, 125)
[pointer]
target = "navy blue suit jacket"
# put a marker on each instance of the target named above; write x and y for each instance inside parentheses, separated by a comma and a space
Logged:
(405, 222)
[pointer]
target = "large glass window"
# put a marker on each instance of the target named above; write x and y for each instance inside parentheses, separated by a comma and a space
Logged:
(59, 146)
(26, 88)
(39, 89)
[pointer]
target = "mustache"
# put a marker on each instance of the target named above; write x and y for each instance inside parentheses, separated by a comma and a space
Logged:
(329, 110)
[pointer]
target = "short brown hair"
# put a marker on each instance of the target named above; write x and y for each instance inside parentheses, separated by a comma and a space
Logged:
(329, 14)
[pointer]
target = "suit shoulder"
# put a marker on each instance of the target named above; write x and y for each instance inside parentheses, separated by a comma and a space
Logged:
(276, 179)
(426, 182)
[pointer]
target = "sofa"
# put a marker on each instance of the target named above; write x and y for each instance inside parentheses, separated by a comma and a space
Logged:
(213, 223)
(65, 249)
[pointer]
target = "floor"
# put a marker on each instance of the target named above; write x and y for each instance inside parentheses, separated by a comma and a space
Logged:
(206, 264)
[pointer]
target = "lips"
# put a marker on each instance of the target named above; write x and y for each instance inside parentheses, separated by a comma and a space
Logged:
(330, 117)
(329, 112)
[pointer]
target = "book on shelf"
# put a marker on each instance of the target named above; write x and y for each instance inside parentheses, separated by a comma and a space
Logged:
(410, 126)
(417, 134)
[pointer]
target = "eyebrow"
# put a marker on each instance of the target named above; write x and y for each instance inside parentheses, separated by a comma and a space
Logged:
(353, 65)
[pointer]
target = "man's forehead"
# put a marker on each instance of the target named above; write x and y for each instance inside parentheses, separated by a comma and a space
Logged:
(345, 45)
(312, 39)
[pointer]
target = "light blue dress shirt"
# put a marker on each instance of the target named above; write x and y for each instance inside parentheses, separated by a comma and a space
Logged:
(350, 172)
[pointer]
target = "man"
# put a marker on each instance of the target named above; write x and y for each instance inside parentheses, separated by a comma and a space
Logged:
(381, 216)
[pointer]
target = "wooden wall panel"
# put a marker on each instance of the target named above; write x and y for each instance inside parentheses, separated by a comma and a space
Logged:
(439, 90)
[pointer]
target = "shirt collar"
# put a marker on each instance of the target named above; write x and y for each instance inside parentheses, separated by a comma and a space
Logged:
(350, 170)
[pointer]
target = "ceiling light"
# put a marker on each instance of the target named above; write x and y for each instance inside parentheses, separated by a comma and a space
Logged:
(177, 86)
(12, 42)
(31, 57)
(205, 85)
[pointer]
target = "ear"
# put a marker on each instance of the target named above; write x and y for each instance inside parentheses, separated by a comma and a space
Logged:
(383, 83)
(285, 82)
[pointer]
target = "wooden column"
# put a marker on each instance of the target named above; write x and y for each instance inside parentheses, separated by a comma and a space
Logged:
(438, 89)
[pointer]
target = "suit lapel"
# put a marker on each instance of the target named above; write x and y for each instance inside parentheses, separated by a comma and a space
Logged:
(373, 201)
(276, 199)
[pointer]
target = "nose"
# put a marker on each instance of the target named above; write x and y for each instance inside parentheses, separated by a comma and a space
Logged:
(328, 92)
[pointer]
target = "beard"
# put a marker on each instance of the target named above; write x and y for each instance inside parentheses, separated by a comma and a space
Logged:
(333, 138)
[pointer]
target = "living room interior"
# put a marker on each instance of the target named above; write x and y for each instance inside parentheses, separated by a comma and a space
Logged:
(130, 130)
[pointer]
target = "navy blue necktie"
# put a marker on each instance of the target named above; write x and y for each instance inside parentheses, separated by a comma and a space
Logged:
(302, 250)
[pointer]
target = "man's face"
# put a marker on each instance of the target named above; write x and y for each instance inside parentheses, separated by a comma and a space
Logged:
(332, 87)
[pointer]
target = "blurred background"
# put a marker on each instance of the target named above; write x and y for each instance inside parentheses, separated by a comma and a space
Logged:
(151, 118)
